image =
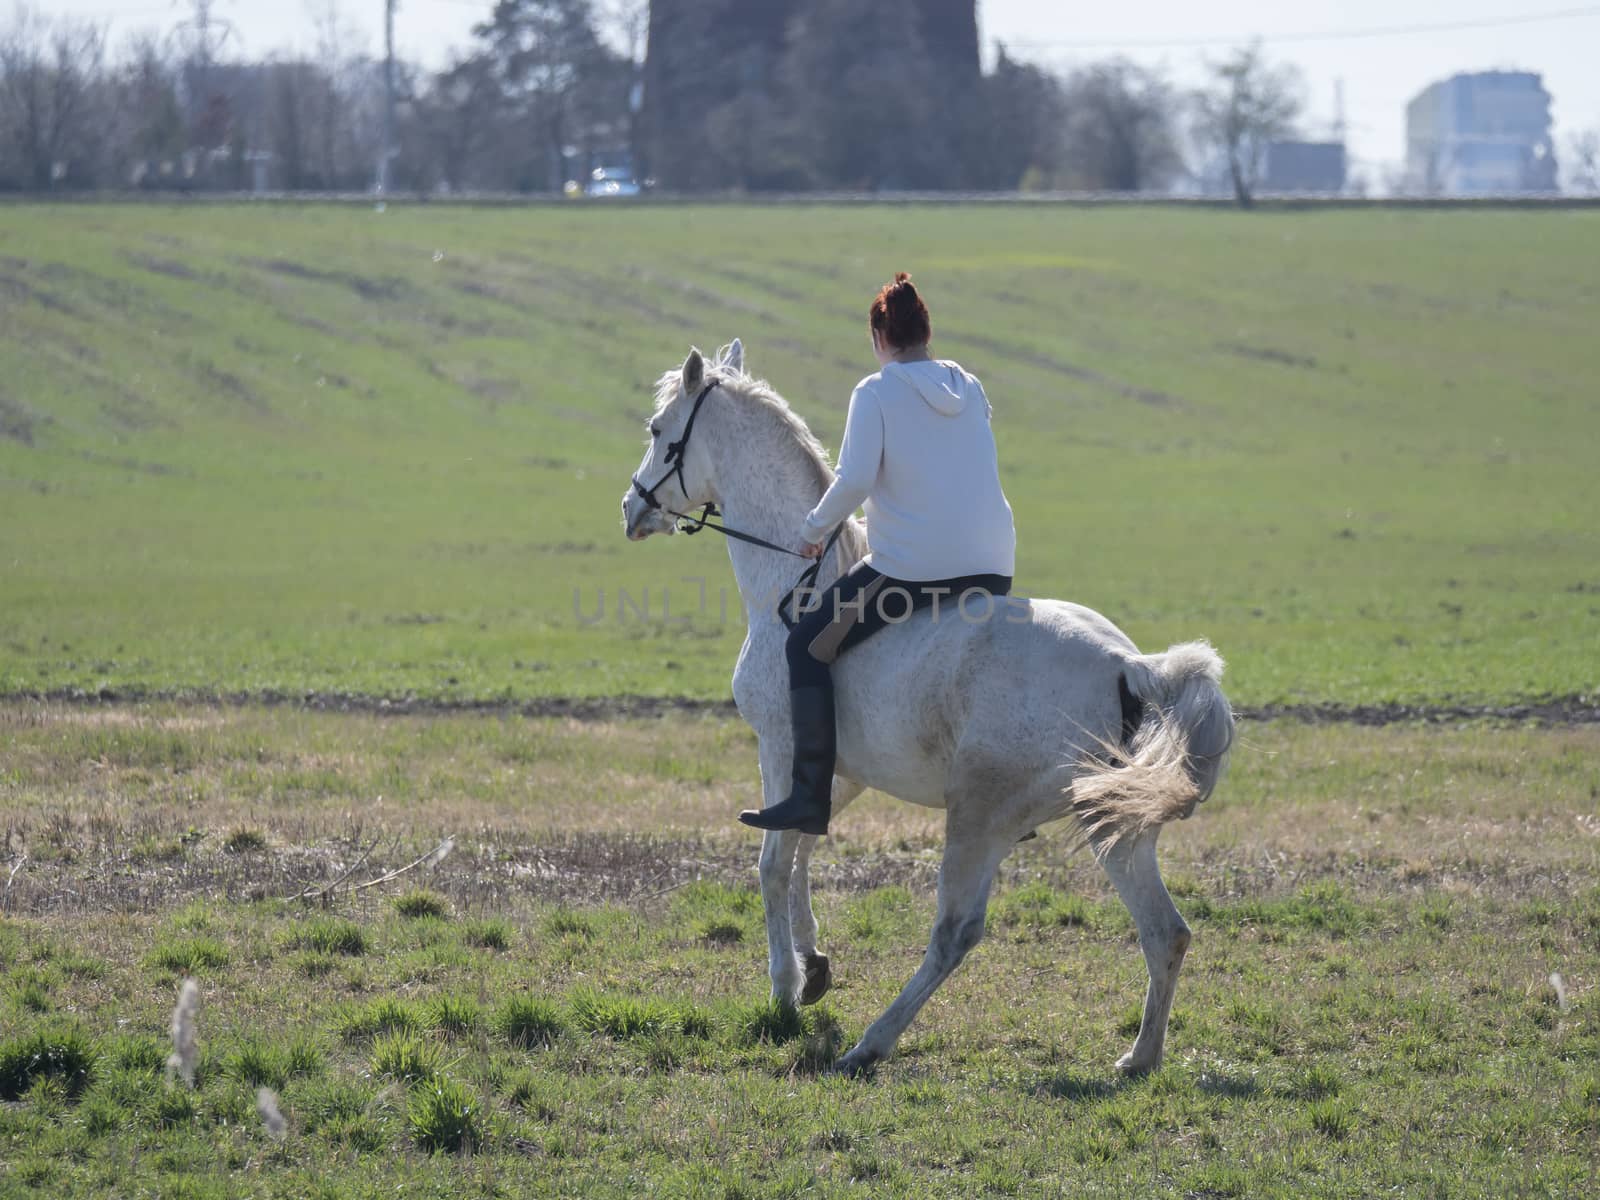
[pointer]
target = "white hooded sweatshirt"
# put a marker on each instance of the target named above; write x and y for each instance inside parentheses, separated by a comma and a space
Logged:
(919, 456)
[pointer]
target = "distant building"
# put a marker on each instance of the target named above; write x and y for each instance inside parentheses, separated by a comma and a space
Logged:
(1304, 167)
(1476, 134)
(1283, 166)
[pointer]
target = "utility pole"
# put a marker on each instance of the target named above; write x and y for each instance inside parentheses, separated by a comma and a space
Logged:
(198, 30)
(386, 152)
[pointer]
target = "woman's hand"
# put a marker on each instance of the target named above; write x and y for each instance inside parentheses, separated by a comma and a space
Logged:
(811, 549)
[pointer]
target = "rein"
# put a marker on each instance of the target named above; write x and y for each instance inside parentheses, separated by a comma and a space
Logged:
(689, 523)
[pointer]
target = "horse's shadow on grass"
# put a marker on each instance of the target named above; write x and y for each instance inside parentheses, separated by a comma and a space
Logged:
(1088, 1088)
(1084, 1087)
(1227, 1087)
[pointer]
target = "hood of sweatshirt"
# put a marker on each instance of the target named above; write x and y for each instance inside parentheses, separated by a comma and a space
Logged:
(943, 386)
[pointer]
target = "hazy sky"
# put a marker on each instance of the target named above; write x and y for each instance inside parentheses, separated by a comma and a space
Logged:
(1380, 72)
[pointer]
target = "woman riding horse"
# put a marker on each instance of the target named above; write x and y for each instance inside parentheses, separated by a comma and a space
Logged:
(919, 457)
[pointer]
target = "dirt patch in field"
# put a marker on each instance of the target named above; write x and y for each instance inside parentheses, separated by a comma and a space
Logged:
(604, 708)
(565, 868)
(1582, 709)
(479, 290)
(134, 464)
(504, 873)
(17, 422)
(216, 381)
(1268, 354)
(27, 292)
(1553, 710)
(128, 808)
(113, 294)
(385, 288)
(164, 266)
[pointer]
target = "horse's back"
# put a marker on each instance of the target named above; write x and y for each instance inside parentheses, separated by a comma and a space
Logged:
(1023, 686)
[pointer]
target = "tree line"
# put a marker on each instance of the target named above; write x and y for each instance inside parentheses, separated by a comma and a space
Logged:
(547, 88)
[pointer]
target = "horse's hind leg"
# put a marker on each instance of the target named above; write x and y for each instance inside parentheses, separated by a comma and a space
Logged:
(970, 859)
(1163, 937)
(802, 921)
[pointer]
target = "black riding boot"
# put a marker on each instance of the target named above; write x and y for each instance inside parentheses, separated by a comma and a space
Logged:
(810, 799)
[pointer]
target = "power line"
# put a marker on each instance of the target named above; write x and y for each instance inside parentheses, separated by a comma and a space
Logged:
(110, 14)
(1330, 35)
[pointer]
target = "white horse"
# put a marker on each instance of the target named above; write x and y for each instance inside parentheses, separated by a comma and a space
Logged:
(1042, 711)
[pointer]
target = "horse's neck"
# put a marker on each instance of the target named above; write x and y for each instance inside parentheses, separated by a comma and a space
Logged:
(766, 488)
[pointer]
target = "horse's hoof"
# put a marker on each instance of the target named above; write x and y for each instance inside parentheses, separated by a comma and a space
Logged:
(819, 978)
(857, 1064)
(1131, 1066)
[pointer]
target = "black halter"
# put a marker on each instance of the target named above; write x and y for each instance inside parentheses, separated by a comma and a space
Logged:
(690, 523)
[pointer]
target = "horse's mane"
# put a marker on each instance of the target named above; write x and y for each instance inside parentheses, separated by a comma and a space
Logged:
(759, 397)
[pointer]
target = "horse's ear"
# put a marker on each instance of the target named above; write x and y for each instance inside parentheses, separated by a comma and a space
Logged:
(694, 371)
(732, 356)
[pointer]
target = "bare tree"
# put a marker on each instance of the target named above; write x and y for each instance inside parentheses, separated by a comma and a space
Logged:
(49, 74)
(1249, 103)
(1583, 155)
(144, 128)
(1022, 116)
(457, 127)
(291, 93)
(545, 52)
(328, 106)
(1121, 128)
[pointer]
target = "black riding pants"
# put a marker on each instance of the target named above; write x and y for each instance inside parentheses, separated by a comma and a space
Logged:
(862, 601)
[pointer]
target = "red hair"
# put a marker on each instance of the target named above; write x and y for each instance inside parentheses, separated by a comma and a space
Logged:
(898, 315)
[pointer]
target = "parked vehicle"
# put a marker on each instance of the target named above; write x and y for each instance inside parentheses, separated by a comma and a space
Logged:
(611, 181)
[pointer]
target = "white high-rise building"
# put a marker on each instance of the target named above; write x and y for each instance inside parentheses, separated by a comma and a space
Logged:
(1482, 133)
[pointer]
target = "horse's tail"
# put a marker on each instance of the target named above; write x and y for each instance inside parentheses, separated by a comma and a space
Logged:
(1177, 730)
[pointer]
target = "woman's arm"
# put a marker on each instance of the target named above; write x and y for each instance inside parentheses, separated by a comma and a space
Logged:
(859, 456)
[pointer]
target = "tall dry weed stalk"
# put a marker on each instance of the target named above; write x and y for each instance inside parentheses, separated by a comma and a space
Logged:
(181, 1061)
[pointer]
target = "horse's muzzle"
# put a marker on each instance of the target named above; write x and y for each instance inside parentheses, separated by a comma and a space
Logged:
(639, 520)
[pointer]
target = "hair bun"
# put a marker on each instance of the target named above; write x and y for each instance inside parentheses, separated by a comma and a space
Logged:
(899, 315)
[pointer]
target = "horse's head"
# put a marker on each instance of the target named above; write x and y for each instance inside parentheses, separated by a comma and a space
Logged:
(676, 471)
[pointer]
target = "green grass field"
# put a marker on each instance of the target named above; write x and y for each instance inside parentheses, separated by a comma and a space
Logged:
(1366, 1009)
(271, 452)
(298, 448)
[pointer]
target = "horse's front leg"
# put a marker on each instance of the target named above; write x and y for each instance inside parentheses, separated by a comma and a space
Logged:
(776, 869)
(802, 920)
(785, 967)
